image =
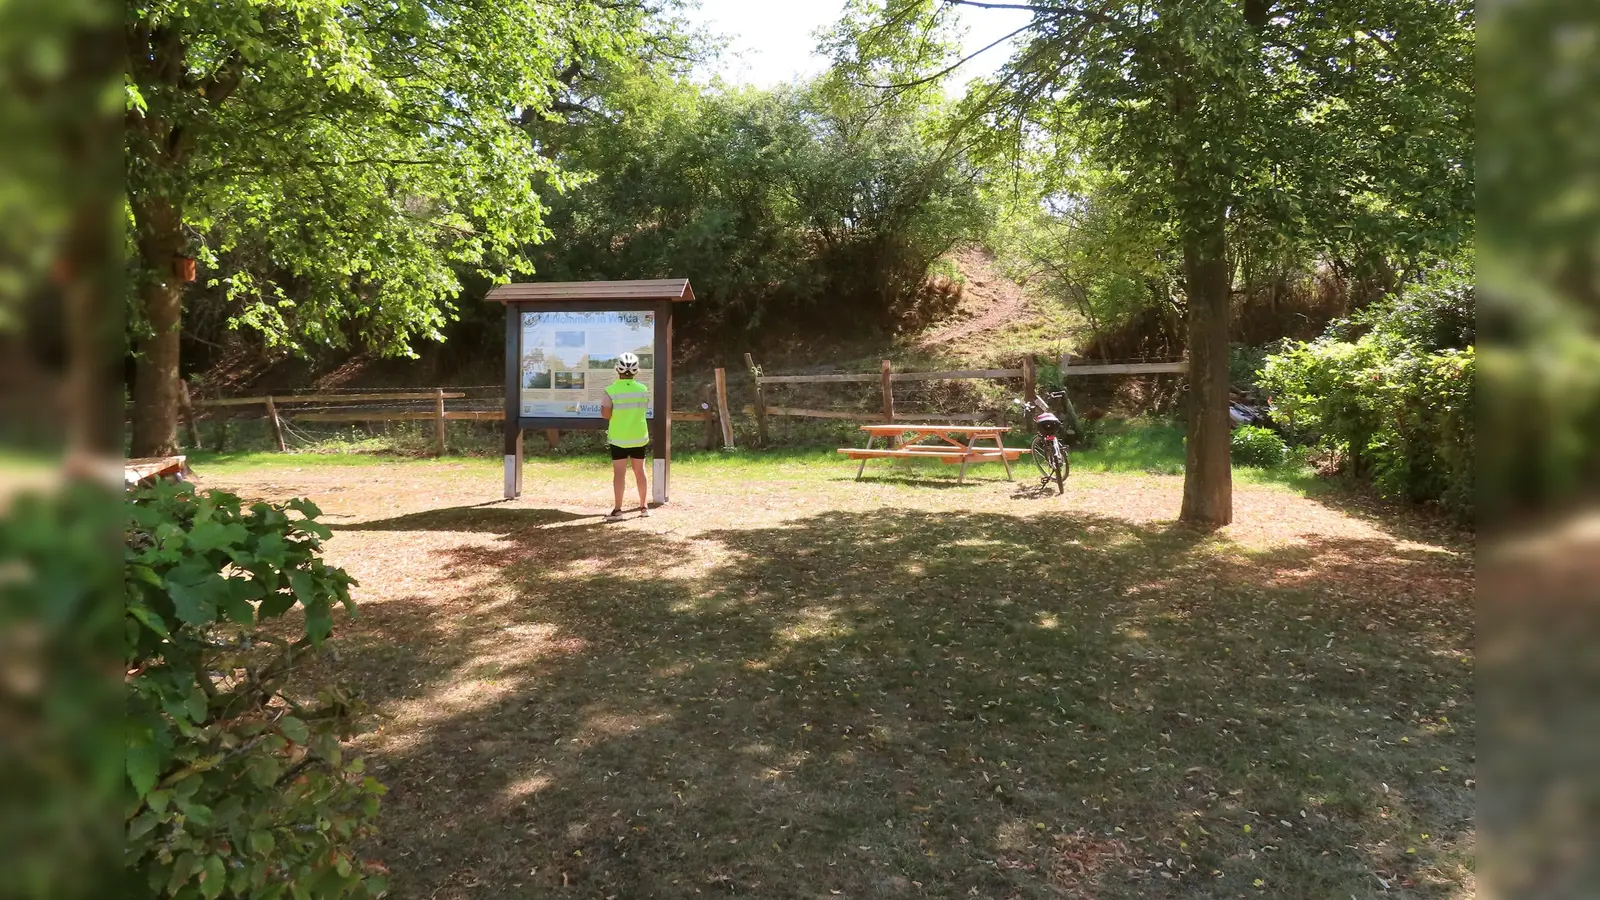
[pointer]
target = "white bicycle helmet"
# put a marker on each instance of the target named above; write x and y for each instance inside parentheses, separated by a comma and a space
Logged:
(627, 365)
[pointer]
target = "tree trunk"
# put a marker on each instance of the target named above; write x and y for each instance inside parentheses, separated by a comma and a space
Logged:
(1208, 472)
(155, 384)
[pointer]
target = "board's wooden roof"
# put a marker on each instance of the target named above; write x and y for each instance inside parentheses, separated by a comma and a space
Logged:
(649, 289)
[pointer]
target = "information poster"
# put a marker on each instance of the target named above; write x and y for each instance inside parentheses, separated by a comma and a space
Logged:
(570, 358)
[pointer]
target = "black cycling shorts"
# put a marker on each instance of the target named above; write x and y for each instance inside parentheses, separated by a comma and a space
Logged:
(629, 452)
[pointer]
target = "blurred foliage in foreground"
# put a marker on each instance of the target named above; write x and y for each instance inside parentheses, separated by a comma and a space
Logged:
(1540, 254)
(60, 711)
(1539, 426)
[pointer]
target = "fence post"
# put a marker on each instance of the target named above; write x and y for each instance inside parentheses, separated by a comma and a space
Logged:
(888, 398)
(552, 437)
(277, 424)
(722, 409)
(708, 403)
(761, 402)
(438, 423)
(1030, 386)
(187, 404)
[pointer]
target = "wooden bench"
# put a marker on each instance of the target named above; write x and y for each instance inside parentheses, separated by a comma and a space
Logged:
(945, 449)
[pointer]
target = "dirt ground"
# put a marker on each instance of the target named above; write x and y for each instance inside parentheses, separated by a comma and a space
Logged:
(790, 684)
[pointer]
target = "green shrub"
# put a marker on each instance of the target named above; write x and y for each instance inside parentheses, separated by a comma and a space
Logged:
(1400, 410)
(240, 787)
(1256, 446)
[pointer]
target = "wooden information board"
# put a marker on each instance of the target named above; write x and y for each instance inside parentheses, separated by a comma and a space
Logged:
(562, 344)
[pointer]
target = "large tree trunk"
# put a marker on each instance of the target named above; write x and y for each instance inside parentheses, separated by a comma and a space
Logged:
(1208, 471)
(155, 384)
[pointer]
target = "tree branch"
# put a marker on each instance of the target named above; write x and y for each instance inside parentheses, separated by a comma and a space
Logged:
(1057, 11)
(948, 69)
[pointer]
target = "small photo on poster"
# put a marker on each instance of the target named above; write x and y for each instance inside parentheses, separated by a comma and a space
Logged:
(569, 381)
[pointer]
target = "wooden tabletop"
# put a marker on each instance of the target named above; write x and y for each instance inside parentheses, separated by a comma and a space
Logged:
(935, 429)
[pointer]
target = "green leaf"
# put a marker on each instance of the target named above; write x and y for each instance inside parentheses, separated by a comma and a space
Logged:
(148, 617)
(145, 574)
(233, 602)
(192, 602)
(144, 768)
(275, 604)
(325, 744)
(158, 800)
(183, 868)
(261, 842)
(208, 536)
(142, 824)
(214, 879)
(196, 705)
(305, 507)
(294, 729)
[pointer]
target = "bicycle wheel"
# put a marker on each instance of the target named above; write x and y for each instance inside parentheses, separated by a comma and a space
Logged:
(1041, 457)
(1063, 469)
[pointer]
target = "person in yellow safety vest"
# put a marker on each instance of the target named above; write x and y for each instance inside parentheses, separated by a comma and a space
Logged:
(628, 432)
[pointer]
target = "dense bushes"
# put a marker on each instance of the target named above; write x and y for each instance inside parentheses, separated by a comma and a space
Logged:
(1253, 445)
(815, 205)
(240, 787)
(1392, 390)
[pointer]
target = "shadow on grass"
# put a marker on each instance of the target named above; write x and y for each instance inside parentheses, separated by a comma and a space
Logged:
(899, 703)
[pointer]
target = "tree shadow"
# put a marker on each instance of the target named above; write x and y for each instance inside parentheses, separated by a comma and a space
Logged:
(481, 517)
(862, 702)
(921, 481)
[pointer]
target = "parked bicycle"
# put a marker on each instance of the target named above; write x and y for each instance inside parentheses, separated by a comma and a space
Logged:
(1049, 453)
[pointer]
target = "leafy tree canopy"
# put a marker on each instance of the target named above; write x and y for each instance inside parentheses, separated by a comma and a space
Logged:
(343, 161)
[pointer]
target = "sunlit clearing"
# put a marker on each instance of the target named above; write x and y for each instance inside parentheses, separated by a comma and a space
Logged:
(815, 622)
(523, 788)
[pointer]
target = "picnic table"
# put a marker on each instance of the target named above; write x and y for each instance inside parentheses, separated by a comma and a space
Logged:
(936, 442)
(149, 469)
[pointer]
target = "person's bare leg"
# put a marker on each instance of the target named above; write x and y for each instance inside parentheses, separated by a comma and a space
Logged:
(619, 480)
(638, 477)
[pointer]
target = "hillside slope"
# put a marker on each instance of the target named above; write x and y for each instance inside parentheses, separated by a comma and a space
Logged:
(998, 319)
(996, 322)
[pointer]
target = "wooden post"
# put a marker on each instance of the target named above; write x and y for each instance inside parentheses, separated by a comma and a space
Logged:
(1030, 386)
(761, 402)
(187, 405)
(552, 437)
(511, 446)
(222, 436)
(709, 404)
(888, 398)
(277, 424)
(722, 409)
(438, 423)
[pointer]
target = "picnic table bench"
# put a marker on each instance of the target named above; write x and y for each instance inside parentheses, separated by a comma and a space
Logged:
(937, 442)
(148, 469)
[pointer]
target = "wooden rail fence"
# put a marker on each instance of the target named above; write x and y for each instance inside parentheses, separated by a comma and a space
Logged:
(715, 410)
(887, 378)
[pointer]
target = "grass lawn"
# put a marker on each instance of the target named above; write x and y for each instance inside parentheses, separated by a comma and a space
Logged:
(787, 684)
